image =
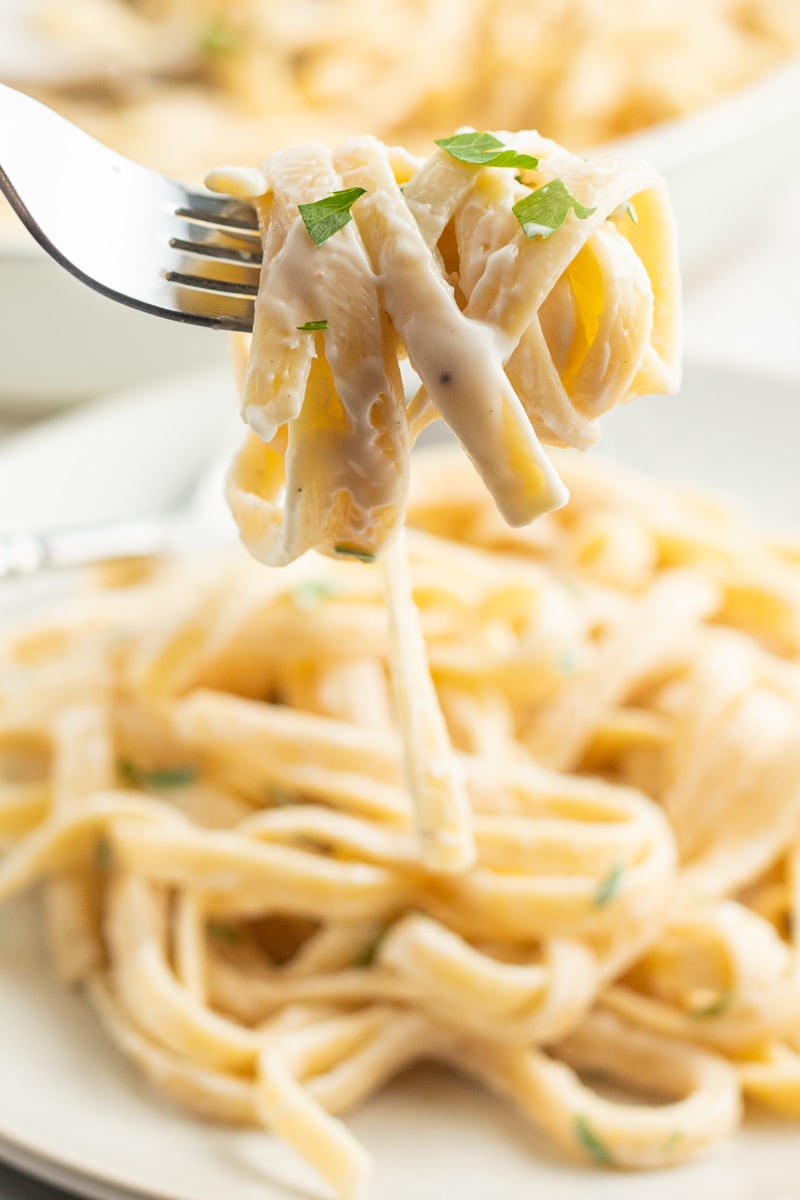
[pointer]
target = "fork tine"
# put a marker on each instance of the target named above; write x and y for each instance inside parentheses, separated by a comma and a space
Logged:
(228, 254)
(215, 250)
(212, 235)
(215, 268)
(227, 211)
(201, 250)
(233, 287)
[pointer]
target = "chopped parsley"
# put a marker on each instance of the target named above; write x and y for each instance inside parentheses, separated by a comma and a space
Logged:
(367, 956)
(715, 1008)
(310, 593)
(547, 208)
(277, 797)
(159, 778)
(567, 661)
(217, 38)
(632, 213)
(608, 887)
(351, 552)
(315, 845)
(327, 216)
(312, 326)
(592, 1144)
(671, 1143)
(485, 150)
(102, 857)
(224, 931)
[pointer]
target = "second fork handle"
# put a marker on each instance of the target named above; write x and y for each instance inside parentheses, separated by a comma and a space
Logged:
(26, 554)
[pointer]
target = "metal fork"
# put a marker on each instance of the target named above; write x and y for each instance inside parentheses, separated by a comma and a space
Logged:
(130, 233)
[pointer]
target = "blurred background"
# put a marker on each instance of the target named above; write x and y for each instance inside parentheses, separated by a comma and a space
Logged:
(708, 90)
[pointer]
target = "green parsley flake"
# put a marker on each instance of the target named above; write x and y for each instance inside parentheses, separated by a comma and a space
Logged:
(160, 778)
(714, 1008)
(312, 326)
(277, 797)
(311, 592)
(567, 662)
(102, 857)
(546, 209)
(315, 845)
(218, 38)
(608, 886)
(632, 213)
(327, 216)
(672, 1143)
(591, 1143)
(485, 150)
(367, 956)
(352, 552)
(224, 931)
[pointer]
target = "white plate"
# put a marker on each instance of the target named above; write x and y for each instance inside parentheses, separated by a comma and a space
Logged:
(74, 1112)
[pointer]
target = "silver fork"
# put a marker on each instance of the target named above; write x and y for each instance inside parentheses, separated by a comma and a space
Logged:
(130, 233)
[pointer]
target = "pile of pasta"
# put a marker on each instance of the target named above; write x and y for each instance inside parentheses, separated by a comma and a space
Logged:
(203, 771)
(517, 335)
(179, 83)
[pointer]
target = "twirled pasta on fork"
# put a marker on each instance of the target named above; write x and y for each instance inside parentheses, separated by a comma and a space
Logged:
(529, 298)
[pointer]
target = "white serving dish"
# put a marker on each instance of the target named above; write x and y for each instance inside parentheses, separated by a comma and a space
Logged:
(60, 342)
(726, 166)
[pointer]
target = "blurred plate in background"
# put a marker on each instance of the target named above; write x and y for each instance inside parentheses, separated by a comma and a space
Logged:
(142, 450)
(135, 453)
(61, 342)
(727, 166)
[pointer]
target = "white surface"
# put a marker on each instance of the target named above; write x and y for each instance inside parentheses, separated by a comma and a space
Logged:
(72, 1110)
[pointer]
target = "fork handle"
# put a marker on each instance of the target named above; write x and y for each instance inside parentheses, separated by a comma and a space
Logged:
(26, 554)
